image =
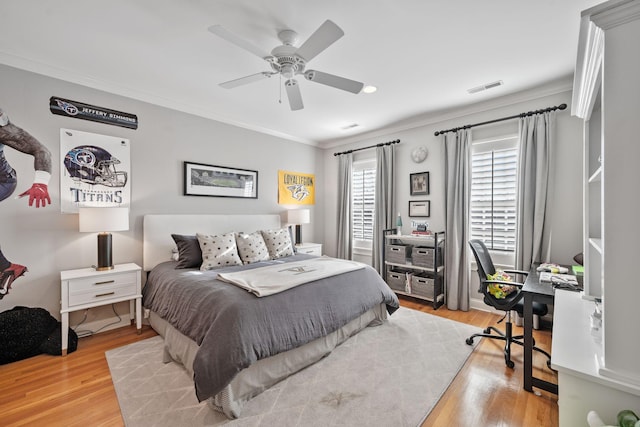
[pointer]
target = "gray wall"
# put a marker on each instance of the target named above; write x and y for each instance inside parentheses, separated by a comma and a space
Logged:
(47, 241)
(565, 220)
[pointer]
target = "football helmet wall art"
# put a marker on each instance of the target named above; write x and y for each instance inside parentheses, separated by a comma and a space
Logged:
(94, 165)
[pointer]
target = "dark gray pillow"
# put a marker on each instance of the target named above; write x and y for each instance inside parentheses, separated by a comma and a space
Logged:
(189, 253)
(293, 239)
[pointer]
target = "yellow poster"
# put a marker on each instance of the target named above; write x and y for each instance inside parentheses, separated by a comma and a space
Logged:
(296, 188)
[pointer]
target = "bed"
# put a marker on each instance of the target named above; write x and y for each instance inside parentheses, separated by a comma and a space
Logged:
(234, 343)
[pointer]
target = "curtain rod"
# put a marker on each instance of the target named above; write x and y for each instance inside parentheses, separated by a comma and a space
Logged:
(530, 113)
(365, 148)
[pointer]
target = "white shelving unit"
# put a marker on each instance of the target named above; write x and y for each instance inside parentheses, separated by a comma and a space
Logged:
(599, 370)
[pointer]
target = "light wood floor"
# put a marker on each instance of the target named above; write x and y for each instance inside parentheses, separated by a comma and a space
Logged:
(76, 390)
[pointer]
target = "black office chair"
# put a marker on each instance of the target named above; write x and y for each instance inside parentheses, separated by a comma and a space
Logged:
(512, 301)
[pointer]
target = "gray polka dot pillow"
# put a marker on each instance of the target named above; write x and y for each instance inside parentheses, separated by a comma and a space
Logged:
(218, 250)
(278, 243)
(252, 248)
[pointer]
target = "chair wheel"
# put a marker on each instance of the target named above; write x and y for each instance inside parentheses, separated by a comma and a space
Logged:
(510, 364)
(487, 331)
(469, 341)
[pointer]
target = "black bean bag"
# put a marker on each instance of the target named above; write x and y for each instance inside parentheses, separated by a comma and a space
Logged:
(26, 332)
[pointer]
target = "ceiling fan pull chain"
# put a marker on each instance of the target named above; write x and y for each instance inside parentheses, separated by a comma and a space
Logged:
(280, 86)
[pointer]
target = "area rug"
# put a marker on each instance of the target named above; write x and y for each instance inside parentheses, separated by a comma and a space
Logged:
(388, 375)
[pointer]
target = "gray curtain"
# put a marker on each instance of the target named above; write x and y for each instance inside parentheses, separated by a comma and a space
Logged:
(384, 202)
(536, 133)
(457, 189)
(345, 227)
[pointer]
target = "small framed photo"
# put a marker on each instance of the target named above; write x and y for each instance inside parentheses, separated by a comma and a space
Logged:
(419, 184)
(419, 208)
(219, 181)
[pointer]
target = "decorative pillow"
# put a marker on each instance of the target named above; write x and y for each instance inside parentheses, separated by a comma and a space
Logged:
(499, 290)
(278, 243)
(189, 253)
(218, 250)
(251, 247)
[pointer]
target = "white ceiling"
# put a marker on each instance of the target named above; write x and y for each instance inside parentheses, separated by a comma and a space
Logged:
(422, 55)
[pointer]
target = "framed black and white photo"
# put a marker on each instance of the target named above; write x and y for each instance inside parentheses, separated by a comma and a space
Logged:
(419, 183)
(419, 208)
(219, 181)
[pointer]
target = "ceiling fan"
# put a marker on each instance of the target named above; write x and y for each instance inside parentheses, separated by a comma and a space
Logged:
(288, 60)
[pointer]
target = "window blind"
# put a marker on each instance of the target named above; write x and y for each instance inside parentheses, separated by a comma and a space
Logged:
(362, 204)
(493, 198)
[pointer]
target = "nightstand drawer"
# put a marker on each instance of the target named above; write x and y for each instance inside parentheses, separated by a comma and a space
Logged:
(310, 249)
(101, 293)
(102, 287)
(101, 281)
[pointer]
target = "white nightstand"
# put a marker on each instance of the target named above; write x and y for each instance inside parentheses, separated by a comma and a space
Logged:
(87, 288)
(310, 248)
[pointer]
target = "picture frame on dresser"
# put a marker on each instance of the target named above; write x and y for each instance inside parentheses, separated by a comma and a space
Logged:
(201, 179)
(419, 208)
(419, 184)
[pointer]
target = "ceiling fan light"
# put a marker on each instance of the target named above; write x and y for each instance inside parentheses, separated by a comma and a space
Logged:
(369, 89)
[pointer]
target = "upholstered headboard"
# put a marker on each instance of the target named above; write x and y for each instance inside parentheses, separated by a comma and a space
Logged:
(157, 230)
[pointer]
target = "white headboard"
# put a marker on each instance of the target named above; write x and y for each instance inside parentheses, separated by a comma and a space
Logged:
(158, 243)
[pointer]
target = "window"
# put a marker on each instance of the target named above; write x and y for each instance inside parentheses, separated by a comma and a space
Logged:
(362, 202)
(494, 165)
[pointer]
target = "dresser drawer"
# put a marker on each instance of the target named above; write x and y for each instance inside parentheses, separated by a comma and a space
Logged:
(104, 287)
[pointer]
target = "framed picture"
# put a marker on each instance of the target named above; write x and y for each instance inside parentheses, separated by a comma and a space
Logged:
(419, 184)
(95, 171)
(219, 181)
(419, 208)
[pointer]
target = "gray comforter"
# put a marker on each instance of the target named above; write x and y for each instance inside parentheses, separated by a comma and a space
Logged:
(234, 328)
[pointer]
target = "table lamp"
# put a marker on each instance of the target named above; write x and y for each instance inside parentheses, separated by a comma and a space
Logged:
(297, 217)
(103, 220)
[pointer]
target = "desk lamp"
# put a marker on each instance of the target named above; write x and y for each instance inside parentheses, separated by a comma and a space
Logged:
(103, 220)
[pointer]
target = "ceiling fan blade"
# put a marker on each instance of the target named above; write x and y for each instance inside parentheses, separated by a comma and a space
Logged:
(222, 32)
(325, 36)
(245, 80)
(334, 81)
(293, 93)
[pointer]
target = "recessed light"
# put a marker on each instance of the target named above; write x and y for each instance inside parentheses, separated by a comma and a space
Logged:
(369, 89)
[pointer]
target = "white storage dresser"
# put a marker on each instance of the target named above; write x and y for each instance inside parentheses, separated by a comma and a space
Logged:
(87, 288)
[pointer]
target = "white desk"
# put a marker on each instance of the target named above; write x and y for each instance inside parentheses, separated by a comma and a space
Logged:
(575, 356)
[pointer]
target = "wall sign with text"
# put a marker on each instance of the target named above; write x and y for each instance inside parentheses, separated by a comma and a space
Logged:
(80, 110)
(295, 188)
(94, 171)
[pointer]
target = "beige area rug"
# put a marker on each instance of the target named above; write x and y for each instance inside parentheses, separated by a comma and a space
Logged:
(388, 375)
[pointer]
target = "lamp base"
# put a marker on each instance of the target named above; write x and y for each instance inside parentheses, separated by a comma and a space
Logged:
(104, 252)
(298, 234)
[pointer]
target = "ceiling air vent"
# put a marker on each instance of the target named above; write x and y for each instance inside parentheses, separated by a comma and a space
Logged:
(485, 86)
